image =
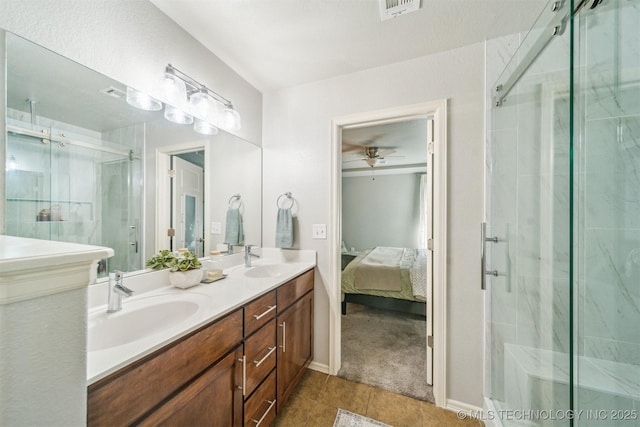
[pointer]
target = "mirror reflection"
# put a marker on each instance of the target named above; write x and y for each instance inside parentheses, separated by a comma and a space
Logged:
(81, 166)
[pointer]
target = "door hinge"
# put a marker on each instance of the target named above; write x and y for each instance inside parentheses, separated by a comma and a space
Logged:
(171, 173)
(171, 232)
(430, 147)
(430, 341)
(430, 244)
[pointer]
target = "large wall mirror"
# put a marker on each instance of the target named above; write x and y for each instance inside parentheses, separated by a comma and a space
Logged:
(83, 166)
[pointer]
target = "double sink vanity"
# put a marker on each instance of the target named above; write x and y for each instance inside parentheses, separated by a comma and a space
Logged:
(225, 353)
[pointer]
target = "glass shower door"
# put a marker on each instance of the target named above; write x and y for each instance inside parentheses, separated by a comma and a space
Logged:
(527, 238)
(73, 187)
(607, 389)
(28, 174)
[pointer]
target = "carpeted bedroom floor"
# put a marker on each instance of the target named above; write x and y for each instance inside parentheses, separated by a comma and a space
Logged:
(385, 349)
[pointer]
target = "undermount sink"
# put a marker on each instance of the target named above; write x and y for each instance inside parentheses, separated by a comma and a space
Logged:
(269, 270)
(141, 318)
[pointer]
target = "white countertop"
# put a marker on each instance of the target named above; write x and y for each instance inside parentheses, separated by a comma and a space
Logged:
(222, 297)
(33, 268)
(20, 253)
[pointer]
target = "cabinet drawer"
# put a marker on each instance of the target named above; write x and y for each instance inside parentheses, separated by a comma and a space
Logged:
(260, 350)
(294, 289)
(259, 312)
(126, 395)
(260, 409)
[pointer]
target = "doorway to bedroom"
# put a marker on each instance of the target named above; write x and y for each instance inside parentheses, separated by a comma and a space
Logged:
(389, 209)
(383, 255)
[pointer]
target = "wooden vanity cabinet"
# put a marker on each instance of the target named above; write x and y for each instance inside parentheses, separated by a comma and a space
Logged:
(134, 392)
(238, 370)
(295, 333)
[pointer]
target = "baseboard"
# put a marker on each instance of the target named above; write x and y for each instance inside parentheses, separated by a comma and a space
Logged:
(320, 367)
(464, 410)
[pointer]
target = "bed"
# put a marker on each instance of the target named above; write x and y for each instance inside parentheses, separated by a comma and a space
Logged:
(386, 277)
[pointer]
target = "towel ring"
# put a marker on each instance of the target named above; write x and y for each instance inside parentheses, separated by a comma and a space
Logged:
(288, 196)
(235, 198)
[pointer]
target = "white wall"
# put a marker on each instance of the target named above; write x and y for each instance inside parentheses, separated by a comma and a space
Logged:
(43, 366)
(384, 211)
(297, 153)
(130, 41)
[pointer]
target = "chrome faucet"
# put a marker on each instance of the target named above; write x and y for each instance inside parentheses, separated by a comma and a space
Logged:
(116, 291)
(248, 255)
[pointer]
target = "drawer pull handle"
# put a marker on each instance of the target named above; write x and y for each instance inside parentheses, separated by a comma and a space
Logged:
(266, 356)
(283, 325)
(243, 387)
(260, 316)
(271, 403)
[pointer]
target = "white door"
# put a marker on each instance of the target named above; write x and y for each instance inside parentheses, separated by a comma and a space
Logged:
(187, 206)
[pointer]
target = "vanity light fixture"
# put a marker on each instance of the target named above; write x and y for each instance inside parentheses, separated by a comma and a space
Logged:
(177, 115)
(188, 101)
(208, 107)
(204, 127)
(142, 101)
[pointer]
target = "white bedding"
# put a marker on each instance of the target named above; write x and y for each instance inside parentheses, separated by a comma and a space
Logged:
(418, 274)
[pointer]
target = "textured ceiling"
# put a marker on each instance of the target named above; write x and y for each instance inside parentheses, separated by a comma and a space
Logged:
(275, 44)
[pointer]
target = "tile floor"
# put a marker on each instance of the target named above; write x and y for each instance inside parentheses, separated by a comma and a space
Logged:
(315, 403)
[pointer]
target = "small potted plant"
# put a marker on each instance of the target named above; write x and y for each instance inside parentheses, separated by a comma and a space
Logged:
(184, 268)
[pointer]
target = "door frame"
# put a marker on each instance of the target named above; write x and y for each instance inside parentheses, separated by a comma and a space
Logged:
(438, 110)
(163, 190)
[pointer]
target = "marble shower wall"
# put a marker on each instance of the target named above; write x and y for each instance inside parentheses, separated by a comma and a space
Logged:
(609, 155)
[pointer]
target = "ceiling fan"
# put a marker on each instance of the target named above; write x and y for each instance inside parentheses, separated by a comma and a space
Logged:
(374, 156)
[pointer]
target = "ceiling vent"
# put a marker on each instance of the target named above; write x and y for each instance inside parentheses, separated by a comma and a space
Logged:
(394, 8)
(114, 92)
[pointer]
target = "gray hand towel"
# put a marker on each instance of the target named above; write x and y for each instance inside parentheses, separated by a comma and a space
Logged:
(284, 229)
(234, 233)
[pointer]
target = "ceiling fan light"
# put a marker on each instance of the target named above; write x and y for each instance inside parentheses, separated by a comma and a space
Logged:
(372, 161)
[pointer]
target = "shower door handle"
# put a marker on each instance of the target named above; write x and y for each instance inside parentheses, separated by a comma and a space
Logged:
(134, 228)
(483, 266)
(483, 262)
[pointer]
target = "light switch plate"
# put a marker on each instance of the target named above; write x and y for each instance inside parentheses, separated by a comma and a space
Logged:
(319, 231)
(216, 228)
